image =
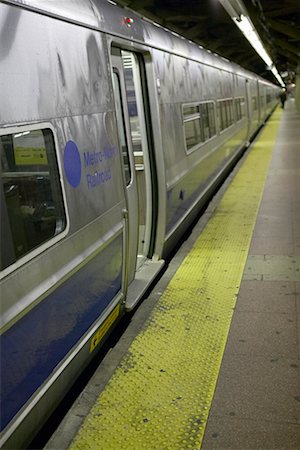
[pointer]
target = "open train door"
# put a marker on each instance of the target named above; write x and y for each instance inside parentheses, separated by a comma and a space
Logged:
(134, 130)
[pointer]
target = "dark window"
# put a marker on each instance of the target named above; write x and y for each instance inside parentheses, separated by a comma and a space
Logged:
(32, 210)
(199, 123)
(225, 113)
(211, 119)
(192, 130)
(190, 111)
(238, 112)
(254, 103)
(134, 100)
(121, 127)
(205, 122)
(239, 108)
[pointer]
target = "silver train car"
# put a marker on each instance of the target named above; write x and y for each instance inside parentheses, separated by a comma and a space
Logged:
(113, 133)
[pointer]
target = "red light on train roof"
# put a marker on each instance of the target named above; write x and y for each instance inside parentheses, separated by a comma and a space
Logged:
(128, 21)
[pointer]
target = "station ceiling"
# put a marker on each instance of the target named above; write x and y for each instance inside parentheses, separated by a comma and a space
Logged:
(207, 23)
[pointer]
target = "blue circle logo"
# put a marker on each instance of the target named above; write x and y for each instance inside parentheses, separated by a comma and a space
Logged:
(72, 164)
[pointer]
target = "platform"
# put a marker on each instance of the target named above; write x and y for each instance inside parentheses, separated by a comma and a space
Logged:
(211, 358)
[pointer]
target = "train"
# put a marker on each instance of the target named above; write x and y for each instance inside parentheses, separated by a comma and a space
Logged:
(114, 132)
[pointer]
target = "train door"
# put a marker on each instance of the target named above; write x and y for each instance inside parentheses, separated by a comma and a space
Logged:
(133, 128)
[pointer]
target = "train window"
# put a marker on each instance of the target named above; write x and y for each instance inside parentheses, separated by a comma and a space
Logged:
(211, 119)
(243, 106)
(190, 111)
(204, 121)
(222, 116)
(239, 108)
(238, 112)
(121, 127)
(230, 113)
(32, 210)
(225, 113)
(199, 124)
(192, 129)
(131, 73)
(254, 104)
(192, 126)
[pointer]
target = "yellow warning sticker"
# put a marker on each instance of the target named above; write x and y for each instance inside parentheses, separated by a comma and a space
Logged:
(98, 336)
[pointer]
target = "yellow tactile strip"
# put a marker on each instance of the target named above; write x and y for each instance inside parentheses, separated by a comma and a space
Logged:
(159, 397)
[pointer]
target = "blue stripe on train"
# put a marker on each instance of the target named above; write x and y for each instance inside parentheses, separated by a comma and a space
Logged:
(36, 344)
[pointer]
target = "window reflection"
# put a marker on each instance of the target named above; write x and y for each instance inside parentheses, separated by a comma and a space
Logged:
(33, 204)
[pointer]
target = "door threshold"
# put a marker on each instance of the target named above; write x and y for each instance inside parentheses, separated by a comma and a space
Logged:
(143, 277)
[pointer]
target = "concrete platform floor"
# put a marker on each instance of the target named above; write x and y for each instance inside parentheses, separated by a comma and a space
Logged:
(257, 399)
(256, 404)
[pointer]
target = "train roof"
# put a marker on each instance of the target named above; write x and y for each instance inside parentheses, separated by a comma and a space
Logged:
(107, 16)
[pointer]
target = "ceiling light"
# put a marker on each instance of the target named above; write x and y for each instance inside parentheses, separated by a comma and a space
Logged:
(244, 24)
(247, 28)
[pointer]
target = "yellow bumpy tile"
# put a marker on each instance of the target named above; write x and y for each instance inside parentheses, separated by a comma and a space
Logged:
(160, 395)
